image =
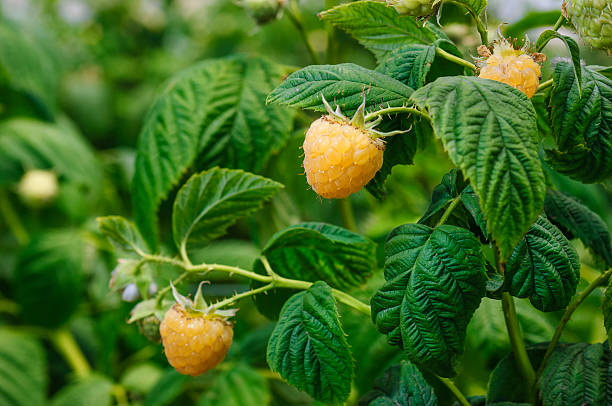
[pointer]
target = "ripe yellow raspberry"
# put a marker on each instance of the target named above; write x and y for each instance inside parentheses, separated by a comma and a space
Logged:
(340, 158)
(194, 343)
(514, 67)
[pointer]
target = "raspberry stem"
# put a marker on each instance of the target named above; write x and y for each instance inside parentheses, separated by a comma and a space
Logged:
(544, 85)
(390, 110)
(449, 210)
(450, 57)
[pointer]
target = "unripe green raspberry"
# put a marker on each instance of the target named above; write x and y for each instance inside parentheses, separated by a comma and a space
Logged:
(149, 327)
(593, 21)
(263, 11)
(37, 187)
(416, 8)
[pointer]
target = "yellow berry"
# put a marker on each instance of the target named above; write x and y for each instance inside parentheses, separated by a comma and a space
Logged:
(512, 67)
(194, 344)
(340, 158)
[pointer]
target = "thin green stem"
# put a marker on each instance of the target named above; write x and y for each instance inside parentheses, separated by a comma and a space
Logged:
(516, 341)
(455, 391)
(601, 280)
(480, 26)
(450, 57)
(231, 300)
(120, 395)
(296, 19)
(559, 23)
(12, 219)
(330, 54)
(391, 110)
(346, 211)
(546, 84)
(163, 292)
(65, 344)
(449, 210)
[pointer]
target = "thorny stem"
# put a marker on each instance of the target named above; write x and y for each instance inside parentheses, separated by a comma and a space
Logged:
(346, 211)
(450, 57)
(12, 220)
(482, 29)
(601, 280)
(164, 291)
(449, 210)
(65, 344)
(544, 85)
(391, 110)
(297, 22)
(456, 392)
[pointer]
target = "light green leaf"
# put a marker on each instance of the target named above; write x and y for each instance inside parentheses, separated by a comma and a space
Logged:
(401, 385)
(312, 252)
(544, 267)
(435, 281)
(210, 202)
(489, 130)
(239, 386)
(309, 349)
(571, 45)
(344, 85)
(380, 28)
(577, 220)
(141, 378)
(166, 389)
(581, 124)
(122, 233)
(93, 391)
(606, 307)
(577, 374)
(213, 113)
(23, 370)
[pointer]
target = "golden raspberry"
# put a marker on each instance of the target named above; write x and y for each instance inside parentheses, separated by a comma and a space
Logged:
(513, 67)
(340, 158)
(194, 343)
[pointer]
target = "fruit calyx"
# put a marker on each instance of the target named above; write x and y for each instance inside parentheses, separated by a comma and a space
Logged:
(198, 306)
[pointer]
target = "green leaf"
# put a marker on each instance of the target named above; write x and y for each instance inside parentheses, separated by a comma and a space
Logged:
(577, 374)
(409, 64)
(123, 234)
(344, 85)
(211, 114)
(29, 144)
(401, 385)
(489, 130)
(475, 6)
(48, 281)
(29, 64)
(435, 281)
(571, 45)
(582, 126)
(544, 267)
(572, 216)
(531, 19)
(211, 201)
(380, 28)
(309, 349)
(23, 370)
(93, 391)
(239, 386)
(141, 378)
(606, 307)
(167, 389)
(312, 252)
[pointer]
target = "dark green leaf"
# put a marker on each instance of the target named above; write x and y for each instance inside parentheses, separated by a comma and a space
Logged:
(380, 28)
(544, 267)
(212, 201)
(122, 233)
(400, 385)
(239, 386)
(308, 347)
(409, 64)
(571, 45)
(568, 213)
(435, 281)
(93, 391)
(606, 307)
(312, 252)
(489, 130)
(213, 113)
(582, 126)
(167, 389)
(344, 85)
(23, 370)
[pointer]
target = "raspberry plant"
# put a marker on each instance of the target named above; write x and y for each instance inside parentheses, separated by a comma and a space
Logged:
(497, 253)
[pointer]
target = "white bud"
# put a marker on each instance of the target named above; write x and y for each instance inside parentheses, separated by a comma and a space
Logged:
(130, 293)
(38, 187)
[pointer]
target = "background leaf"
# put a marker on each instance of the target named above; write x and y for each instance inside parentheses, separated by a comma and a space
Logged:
(544, 266)
(122, 233)
(212, 201)
(308, 347)
(241, 385)
(489, 131)
(94, 391)
(213, 113)
(606, 307)
(435, 281)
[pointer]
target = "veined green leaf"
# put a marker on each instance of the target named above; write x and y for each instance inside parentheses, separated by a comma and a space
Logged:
(312, 252)
(344, 85)
(582, 125)
(409, 64)
(93, 391)
(380, 28)
(239, 386)
(544, 267)
(489, 130)
(571, 215)
(122, 233)
(23, 370)
(213, 200)
(211, 114)
(435, 281)
(309, 349)
(571, 45)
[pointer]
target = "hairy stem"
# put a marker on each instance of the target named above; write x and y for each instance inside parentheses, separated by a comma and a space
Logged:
(450, 57)
(65, 344)
(516, 341)
(601, 280)
(546, 84)
(449, 210)
(12, 219)
(346, 211)
(456, 392)
(393, 110)
(292, 12)
(559, 23)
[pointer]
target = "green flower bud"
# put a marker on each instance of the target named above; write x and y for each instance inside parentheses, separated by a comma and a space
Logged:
(416, 8)
(263, 11)
(593, 21)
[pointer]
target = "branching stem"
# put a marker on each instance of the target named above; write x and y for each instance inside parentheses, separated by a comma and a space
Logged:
(546, 84)
(450, 57)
